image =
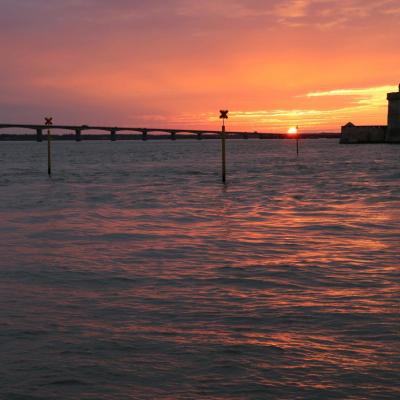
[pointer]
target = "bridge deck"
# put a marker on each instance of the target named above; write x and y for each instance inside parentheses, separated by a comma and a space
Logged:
(78, 131)
(83, 128)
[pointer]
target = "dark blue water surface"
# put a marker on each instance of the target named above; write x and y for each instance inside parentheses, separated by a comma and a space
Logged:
(134, 274)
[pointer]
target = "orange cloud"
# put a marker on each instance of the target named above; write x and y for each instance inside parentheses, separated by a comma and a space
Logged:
(274, 63)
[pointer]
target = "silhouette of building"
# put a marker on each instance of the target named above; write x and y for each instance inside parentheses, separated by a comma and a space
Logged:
(393, 129)
(389, 133)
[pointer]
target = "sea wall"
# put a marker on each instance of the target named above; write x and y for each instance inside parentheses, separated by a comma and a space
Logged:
(363, 134)
(393, 135)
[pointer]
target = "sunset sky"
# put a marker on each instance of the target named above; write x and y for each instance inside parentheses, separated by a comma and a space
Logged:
(174, 63)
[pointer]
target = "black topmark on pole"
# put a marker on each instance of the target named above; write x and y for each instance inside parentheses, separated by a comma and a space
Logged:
(223, 116)
(49, 122)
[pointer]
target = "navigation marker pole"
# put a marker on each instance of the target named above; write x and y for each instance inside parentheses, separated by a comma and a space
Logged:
(297, 141)
(49, 122)
(223, 116)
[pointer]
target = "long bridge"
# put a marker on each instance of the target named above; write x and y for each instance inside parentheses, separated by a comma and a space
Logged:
(138, 133)
(113, 131)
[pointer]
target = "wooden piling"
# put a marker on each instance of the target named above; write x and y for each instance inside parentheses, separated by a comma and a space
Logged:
(223, 140)
(48, 152)
(223, 116)
(297, 141)
(49, 122)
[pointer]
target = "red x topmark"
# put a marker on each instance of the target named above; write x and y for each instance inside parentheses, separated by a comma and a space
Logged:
(224, 114)
(49, 121)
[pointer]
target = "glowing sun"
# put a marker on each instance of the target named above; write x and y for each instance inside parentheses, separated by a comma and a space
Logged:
(292, 130)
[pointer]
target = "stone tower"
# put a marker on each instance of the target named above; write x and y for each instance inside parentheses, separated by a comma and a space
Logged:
(393, 129)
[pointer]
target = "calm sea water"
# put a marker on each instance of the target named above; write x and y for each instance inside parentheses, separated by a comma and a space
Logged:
(134, 274)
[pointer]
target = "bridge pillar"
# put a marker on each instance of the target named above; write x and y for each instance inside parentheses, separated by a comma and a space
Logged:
(144, 135)
(173, 135)
(199, 136)
(113, 135)
(39, 135)
(78, 135)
